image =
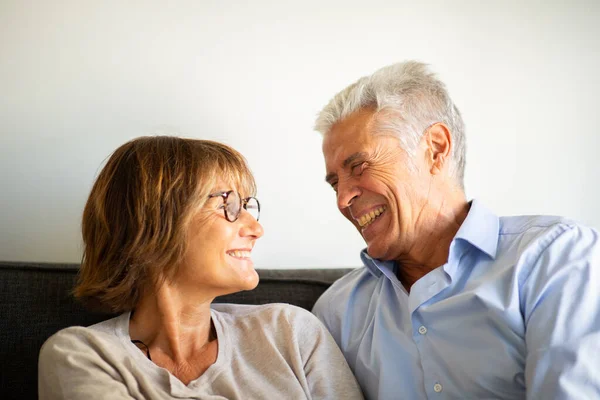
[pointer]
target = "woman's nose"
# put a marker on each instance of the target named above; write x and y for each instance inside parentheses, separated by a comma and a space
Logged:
(251, 227)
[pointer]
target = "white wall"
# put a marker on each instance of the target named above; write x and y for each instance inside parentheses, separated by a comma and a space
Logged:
(79, 78)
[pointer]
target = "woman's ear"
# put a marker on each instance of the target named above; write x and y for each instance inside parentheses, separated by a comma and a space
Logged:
(439, 142)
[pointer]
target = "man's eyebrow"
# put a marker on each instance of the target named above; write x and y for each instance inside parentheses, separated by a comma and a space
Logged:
(349, 160)
(353, 157)
(330, 177)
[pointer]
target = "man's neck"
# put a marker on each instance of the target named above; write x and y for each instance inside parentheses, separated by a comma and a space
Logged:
(432, 247)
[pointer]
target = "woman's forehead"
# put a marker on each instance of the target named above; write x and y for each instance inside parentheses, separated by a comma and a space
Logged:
(222, 185)
(243, 186)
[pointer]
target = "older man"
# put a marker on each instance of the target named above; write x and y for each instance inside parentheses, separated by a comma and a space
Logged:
(453, 301)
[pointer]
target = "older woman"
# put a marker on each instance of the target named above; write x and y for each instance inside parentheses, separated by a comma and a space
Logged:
(169, 225)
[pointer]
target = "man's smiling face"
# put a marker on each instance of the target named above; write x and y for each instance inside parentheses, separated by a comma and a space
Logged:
(379, 187)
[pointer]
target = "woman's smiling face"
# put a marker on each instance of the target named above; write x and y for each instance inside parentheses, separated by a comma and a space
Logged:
(218, 258)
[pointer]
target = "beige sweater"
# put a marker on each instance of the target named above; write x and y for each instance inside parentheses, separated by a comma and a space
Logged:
(275, 351)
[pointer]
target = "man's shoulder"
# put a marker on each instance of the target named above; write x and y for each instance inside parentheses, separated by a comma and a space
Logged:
(543, 245)
(522, 224)
(543, 229)
(346, 285)
(356, 283)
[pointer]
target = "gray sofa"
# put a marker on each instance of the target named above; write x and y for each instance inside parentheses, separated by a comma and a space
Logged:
(35, 302)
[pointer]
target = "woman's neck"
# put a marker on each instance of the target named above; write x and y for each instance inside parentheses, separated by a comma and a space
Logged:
(171, 325)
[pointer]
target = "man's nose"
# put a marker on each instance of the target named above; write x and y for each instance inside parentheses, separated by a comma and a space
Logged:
(346, 193)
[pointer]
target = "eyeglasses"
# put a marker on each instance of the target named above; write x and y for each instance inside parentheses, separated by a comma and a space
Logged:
(233, 203)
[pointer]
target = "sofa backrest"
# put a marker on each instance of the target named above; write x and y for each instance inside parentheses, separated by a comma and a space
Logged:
(36, 302)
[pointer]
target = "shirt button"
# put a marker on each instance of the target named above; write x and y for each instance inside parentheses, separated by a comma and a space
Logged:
(422, 330)
(437, 388)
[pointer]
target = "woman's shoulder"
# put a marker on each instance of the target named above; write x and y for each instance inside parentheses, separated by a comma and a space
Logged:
(267, 314)
(67, 335)
(68, 341)
(80, 338)
(262, 309)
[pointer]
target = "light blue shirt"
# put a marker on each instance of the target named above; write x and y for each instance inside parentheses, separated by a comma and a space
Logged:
(513, 314)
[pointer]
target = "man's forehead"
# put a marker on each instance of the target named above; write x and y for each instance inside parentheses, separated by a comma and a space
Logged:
(354, 127)
(355, 123)
(347, 138)
(339, 145)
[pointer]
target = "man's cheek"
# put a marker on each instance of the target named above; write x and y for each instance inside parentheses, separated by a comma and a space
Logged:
(346, 213)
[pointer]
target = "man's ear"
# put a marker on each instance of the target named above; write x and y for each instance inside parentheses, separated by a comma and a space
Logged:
(439, 143)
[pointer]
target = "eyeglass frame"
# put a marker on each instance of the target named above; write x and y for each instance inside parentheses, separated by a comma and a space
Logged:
(243, 203)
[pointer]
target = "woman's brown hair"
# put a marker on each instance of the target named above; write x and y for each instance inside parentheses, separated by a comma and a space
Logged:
(135, 221)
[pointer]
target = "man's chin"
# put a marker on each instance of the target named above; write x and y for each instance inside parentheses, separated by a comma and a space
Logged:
(375, 251)
(380, 252)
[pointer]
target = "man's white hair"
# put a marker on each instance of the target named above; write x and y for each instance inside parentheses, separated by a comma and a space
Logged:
(408, 99)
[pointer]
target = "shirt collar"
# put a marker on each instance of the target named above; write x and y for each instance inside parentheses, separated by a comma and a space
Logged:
(480, 229)
(375, 266)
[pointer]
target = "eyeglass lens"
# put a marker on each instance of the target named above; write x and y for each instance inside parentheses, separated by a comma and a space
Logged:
(253, 207)
(233, 206)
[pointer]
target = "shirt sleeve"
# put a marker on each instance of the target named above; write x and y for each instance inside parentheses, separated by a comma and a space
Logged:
(69, 367)
(561, 309)
(327, 373)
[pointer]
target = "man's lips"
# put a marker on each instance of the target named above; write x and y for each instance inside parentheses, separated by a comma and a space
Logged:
(369, 217)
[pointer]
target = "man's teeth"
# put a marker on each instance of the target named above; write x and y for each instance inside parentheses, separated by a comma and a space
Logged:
(239, 254)
(370, 217)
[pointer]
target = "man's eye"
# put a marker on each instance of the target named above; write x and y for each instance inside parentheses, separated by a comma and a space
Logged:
(357, 169)
(334, 186)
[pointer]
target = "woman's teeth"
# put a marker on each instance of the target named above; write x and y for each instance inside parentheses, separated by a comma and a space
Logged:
(239, 254)
(368, 218)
